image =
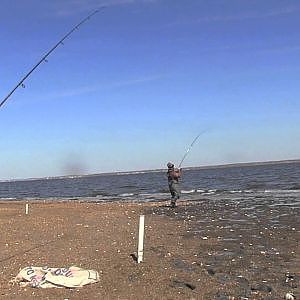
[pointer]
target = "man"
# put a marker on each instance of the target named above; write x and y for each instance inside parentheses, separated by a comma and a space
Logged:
(173, 181)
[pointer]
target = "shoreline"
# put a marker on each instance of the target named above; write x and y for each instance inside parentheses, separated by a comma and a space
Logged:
(199, 250)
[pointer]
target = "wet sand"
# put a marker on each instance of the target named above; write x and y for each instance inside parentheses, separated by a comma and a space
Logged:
(199, 250)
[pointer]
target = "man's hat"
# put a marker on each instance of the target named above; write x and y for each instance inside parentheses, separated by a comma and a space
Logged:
(170, 165)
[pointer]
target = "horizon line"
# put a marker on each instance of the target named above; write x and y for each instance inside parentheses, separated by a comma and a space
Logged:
(251, 163)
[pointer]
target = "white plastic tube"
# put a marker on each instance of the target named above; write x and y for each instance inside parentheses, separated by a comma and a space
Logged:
(141, 239)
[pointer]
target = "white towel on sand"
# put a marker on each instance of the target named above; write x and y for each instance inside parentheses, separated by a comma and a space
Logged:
(45, 277)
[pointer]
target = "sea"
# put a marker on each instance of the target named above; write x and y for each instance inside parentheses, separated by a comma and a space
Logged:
(277, 182)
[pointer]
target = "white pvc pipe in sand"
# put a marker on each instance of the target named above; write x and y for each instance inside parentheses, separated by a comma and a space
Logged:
(26, 208)
(141, 239)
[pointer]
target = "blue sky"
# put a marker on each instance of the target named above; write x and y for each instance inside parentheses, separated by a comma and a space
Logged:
(134, 85)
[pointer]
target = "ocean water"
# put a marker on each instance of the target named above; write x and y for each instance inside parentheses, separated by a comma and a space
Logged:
(275, 182)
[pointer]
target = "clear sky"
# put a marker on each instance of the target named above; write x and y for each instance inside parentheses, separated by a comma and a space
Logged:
(134, 85)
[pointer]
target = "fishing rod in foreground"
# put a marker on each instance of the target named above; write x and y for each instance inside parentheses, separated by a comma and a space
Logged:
(192, 144)
(44, 58)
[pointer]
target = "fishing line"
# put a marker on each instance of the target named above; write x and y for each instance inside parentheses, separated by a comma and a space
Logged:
(44, 58)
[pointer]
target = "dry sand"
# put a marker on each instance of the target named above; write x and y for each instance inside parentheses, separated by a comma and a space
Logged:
(191, 252)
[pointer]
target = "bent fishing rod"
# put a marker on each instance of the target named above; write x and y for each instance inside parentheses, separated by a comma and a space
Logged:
(44, 58)
(192, 144)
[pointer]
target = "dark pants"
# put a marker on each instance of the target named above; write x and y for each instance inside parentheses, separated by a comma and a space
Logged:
(175, 191)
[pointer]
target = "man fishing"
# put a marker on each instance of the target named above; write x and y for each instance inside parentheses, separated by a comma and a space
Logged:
(173, 180)
(175, 173)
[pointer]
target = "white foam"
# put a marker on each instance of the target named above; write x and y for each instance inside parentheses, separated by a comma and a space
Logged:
(188, 192)
(153, 194)
(210, 192)
(281, 191)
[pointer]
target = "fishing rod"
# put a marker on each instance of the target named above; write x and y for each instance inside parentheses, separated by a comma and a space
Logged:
(44, 58)
(188, 150)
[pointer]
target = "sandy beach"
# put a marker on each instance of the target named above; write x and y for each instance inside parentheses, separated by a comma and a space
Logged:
(199, 250)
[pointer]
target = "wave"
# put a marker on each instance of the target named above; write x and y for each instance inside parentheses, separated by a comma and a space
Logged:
(295, 187)
(188, 192)
(157, 194)
(282, 191)
(126, 194)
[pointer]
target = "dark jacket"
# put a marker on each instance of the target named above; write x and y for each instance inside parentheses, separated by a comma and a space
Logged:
(173, 175)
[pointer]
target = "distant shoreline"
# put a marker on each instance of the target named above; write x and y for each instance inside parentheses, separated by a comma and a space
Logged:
(245, 164)
(230, 165)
